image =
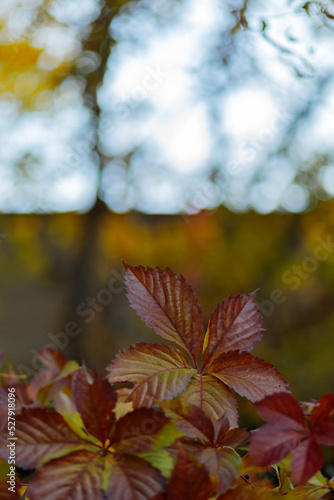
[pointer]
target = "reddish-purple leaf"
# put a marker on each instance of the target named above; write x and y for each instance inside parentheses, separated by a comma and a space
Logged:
(159, 372)
(306, 460)
(132, 478)
(247, 375)
(224, 436)
(322, 420)
(41, 435)
(189, 481)
(21, 400)
(282, 410)
(83, 475)
(213, 397)
(136, 431)
(236, 324)
(271, 444)
(168, 305)
(95, 401)
(77, 476)
(189, 419)
(223, 464)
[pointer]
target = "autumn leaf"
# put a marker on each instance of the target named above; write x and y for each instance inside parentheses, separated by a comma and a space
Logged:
(86, 464)
(235, 324)
(189, 480)
(21, 400)
(287, 431)
(168, 305)
(210, 443)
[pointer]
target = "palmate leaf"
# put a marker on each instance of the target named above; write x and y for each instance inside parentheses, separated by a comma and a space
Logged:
(287, 431)
(189, 481)
(167, 304)
(73, 464)
(209, 442)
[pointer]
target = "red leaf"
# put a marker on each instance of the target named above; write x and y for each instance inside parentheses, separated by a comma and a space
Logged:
(41, 435)
(188, 481)
(168, 305)
(271, 444)
(234, 325)
(133, 478)
(136, 431)
(21, 400)
(158, 371)
(223, 465)
(189, 419)
(224, 436)
(247, 375)
(83, 474)
(306, 460)
(77, 476)
(213, 397)
(95, 402)
(282, 410)
(322, 420)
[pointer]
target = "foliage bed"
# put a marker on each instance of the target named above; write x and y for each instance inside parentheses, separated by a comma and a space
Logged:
(163, 424)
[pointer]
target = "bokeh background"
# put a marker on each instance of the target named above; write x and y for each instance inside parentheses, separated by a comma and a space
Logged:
(182, 133)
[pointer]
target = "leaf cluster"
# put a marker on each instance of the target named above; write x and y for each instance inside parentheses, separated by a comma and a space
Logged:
(173, 434)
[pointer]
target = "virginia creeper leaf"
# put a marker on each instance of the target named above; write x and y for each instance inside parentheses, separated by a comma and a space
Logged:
(21, 400)
(322, 420)
(83, 475)
(224, 436)
(190, 419)
(41, 436)
(282, 410)
(212, 396)
(271, 444)
(168, 305)
(158, 371)
(306, 460)
(235, 324)
(76, 476)
(223, 464)
(247, 375)
(95, 402)
(189, 481)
